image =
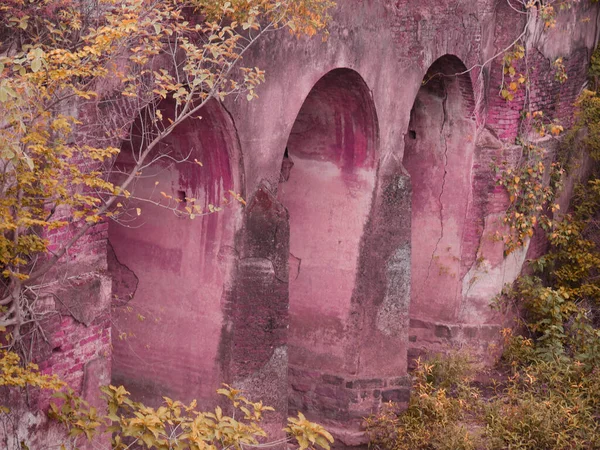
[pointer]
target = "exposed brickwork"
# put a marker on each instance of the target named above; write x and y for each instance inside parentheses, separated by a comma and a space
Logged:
(544, 92)
(338, 401)
(427, 337)
(74, 345)
(78, 300)
(417, 29)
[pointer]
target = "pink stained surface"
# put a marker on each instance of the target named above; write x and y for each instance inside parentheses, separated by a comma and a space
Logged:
(328, 196)
(181, 265)
(438, 155)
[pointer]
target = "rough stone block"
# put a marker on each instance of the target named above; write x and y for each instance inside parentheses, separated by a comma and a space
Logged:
(443, 331)
(365, 384)
(396, 395)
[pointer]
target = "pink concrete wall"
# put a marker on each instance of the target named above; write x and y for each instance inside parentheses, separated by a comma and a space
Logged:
(439, 156)
(328, 195)
(181, 265)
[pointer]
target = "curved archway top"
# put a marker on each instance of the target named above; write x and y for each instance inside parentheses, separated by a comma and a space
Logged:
(449, 64)
(209, 136)
(339, 108)
(449, 70)
(346, 75)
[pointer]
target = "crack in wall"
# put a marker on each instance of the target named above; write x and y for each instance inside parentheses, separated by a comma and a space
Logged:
(445, 145)
(298, 267)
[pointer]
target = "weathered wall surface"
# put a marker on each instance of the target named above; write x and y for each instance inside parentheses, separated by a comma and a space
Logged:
(367, 290)
(75, 343)
(367, 234)
(169, 271)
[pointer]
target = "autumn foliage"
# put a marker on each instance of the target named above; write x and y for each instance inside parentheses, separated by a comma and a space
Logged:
(68, 71)
(74, 77)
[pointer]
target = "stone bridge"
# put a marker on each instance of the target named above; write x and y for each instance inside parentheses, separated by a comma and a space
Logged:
(367, 236)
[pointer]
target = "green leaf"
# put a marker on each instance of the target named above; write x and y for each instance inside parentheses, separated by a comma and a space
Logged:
(28, 161)
(5, 92)
(36, 65)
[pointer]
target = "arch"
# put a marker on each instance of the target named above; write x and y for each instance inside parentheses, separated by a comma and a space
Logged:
(337, 122)
(439, 155)
(326, 183)
(170, 269)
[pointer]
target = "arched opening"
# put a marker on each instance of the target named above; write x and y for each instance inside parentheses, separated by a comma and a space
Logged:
(327, 181)
(439, 152)
(169, 270)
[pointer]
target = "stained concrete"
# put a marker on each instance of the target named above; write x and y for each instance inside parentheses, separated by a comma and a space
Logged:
(370, 205)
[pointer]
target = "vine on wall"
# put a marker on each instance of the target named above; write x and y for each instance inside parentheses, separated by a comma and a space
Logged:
(533, 183)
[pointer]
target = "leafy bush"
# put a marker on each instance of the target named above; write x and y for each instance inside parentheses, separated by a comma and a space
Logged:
(547, 395)
(441, 401)
(172, 426)
(550, 405)
(534, 404)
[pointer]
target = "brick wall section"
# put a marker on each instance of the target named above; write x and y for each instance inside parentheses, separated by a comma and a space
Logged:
(74, 345)
(503, 116)
(576, 67)
(417, 26)
(431, 337)
(333, 399)
(76, 350)
(81, 293)
(80, 332)
(546, 93)
(76, 341)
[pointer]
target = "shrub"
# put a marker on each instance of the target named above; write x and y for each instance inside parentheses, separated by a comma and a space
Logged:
(441, 401)
(172, 426)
